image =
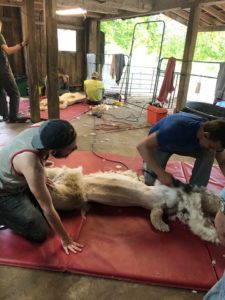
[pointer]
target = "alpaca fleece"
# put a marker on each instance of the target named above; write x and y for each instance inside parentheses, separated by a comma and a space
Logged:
(73, 190)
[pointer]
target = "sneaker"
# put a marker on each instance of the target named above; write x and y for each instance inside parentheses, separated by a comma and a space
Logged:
(4, 119)
(18, 120)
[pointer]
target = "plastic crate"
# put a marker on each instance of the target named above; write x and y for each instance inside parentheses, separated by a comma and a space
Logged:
(155, 114)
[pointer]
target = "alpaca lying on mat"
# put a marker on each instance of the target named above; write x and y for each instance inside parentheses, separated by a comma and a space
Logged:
(64, 100)
(73, 190)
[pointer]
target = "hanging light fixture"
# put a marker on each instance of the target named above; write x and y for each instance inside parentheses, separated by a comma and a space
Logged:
(72, 11)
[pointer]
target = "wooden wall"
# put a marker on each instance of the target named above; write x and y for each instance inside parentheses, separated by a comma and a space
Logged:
(11, 30)
(73, 63)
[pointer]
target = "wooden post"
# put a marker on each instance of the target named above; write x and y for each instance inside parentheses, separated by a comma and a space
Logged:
(94, 40)
(189, 49)
(52, 58)
(28, 27)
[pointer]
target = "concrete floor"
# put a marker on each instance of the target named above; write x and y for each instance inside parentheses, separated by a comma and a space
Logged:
(26, 284)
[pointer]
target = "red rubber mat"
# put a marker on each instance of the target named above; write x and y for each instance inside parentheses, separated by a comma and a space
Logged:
(216, 181)
(68, 113)
(120, 242)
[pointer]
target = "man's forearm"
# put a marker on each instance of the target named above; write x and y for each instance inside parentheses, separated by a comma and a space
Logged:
(148, 157)
(56, 224)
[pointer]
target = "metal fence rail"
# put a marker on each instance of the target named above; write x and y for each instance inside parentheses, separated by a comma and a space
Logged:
(146, 81)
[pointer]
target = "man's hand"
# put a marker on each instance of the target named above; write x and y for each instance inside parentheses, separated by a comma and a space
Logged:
(71, 246)
(24, 43)
(220, 226)
(166, 179)
(49, 182)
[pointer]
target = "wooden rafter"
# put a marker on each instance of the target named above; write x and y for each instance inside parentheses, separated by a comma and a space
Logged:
(208, 19)
(212, 28)
(175, 17)
(213, 12)
(222, 6)
(182, 13)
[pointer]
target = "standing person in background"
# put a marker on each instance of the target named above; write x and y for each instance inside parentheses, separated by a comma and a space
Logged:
(94, 89)
(7, 82)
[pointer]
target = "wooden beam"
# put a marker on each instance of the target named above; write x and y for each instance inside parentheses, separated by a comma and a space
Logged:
(52, 58)
(111, 7)
(181, 16)
(213, 12)
(164, 5)
(222, 6)
(190, 42)
(69, 26)
(28, 26)
(138, 6)
(210, 2)
(14, 3)
(90, 6)
(212, 28)
(176, 17)
(204, 18)
(209, 20)
(182, 13)
(93, 36)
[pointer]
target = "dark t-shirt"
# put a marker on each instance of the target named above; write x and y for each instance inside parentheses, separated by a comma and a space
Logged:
(177, 133)
(3, 57)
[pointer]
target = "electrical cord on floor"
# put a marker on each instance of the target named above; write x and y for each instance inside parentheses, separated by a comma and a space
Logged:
(131, 117)
(102, 157)
(116, 126)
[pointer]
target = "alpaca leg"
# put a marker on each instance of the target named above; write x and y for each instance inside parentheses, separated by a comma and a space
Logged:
(157, 221)
(210, 203)
(204, 230)
(118, 191)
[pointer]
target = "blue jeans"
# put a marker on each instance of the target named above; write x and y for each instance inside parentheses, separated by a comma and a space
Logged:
(217, 292)
(21, 213)
(200, 172)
